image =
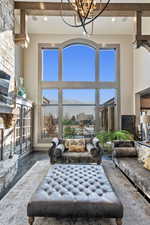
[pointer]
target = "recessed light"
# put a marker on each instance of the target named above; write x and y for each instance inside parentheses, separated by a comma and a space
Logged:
(45, 18)
(113, 19)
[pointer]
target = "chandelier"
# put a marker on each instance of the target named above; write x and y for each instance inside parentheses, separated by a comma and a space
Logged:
(85, 11)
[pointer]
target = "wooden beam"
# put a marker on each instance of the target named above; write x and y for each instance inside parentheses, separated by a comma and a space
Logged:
(22, 38)
(113, 9)
(144, 37)
(139, 23)
(22, 21)
(138, 28)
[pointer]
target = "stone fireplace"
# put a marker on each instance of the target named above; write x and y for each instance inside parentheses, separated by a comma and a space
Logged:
(8, 164)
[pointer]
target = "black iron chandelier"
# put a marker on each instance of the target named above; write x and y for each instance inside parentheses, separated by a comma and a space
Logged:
(85, 11)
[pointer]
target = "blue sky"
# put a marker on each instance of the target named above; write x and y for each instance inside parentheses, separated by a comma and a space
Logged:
(79, 65)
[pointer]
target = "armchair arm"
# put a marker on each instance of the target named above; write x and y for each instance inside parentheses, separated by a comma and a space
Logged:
(54, 143)
(59, 151)
(56, 150)
(91, 149)
(95, 149)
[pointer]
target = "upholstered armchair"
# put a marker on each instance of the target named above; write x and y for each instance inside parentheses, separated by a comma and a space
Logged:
(75, 151)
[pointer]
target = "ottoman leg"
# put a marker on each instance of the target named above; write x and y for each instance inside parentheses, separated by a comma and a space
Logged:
(119, 221)
(31, 220)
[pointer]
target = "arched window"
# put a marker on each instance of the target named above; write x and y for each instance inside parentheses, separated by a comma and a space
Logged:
(79, 89)
(78, 63)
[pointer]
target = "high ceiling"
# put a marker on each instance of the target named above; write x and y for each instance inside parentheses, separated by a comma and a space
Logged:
(102, 25)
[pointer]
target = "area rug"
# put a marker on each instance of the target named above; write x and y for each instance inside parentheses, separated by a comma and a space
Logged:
(13, 205)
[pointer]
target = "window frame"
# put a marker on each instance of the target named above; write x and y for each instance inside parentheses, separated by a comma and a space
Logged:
(60, 84)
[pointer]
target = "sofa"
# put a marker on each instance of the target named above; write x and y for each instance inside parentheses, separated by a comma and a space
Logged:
(84, 150)
(126, 157)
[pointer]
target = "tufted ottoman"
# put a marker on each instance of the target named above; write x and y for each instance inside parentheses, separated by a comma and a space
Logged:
(75, 191)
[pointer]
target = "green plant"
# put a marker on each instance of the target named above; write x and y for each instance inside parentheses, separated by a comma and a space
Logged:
(104, 137)
(122, 135)
(69, 132)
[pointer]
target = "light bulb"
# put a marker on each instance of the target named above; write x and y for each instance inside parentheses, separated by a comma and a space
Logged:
(113, 19)
(45, 18)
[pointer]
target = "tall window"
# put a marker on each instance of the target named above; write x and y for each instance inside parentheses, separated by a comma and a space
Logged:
(75, 86)
(107, 63)
(79, 63)
(50, 64)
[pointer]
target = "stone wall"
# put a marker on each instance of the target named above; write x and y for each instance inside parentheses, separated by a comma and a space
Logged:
(7, 58)
(6, 15)
(8, 167)
(8, 170)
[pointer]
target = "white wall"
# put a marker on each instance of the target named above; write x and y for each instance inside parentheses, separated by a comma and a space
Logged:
(141, 69)
(126, 67)
(18, 61)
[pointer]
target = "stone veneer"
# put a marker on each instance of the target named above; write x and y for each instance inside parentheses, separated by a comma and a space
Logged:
(6, 15)
(7, 57)
(8, 167)
(8, 170)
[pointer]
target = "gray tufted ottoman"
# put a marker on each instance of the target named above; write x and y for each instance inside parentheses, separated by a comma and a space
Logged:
(75, 191)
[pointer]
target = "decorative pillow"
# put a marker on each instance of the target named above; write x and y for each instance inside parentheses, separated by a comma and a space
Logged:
(147, 163)
(76, 145)
(67, 143)
(143, 154)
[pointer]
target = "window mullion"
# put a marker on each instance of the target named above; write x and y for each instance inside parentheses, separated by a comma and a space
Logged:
(60, 113)
(60, 64)
(97, 65)
(97, 110)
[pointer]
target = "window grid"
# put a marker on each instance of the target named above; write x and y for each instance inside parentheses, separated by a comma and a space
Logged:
(105, 85)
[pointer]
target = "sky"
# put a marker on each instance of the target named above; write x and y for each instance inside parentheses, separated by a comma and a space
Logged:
(79, 65)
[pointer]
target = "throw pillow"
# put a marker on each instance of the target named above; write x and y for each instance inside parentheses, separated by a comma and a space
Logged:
(77, 145)
(147, 163)
(143, 153)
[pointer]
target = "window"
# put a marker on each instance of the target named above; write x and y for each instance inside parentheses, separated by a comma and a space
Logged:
(49, 122)
(78, 103)
(78, 121)
(50, 64)
(79, 63)
(106, 95)
(107, 62)
(49, 96)
(78, 96)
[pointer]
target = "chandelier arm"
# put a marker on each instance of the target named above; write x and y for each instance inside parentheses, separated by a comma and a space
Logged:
(82, 25)
(70, 3)
(98, 13)
(89, 9)
(81, 19)
(71, 25)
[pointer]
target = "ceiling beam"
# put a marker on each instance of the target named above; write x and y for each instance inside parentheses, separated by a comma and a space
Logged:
(53, 8)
